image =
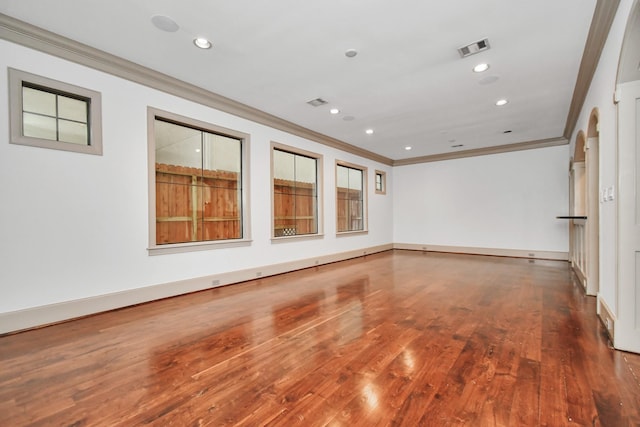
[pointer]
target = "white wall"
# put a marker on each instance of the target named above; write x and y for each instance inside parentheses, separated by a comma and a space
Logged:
(74, 226)
(505, 201)
(600, 96)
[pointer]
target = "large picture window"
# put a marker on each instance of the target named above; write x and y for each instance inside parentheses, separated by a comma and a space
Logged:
(295, 191)
(198, 181)
(47, 113)
(351, 197)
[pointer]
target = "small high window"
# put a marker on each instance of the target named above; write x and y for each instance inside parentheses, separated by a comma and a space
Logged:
(351, 197)
(381, 182)
(295, 191)
(51, 114)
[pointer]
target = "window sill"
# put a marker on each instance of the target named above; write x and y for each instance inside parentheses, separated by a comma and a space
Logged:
(351, 233)
(297, 238)
(177, 248)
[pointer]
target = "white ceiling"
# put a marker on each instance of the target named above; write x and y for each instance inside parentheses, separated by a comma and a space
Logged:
(408, 83)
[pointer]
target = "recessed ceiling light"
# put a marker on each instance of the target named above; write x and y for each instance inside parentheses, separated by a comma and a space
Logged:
(164, 23)
(350, 53)
(202, 43)
(480, 68)
(501, 102)
(369, 131)
(197, 150)
(408, 147)
(334, 111)
(348, 118)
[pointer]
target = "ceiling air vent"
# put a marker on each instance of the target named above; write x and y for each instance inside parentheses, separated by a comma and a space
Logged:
(475, 47)
(317, 102)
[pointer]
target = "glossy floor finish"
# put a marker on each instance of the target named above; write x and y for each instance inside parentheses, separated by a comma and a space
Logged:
(398, 338)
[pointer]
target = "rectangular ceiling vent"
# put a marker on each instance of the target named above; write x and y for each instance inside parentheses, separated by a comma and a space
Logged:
(473, 48)
(317, 102)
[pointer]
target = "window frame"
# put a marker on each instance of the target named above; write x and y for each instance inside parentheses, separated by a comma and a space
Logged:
(383, 180)
(245, 227)
(18, 78)
(365, 198)
(319, 192)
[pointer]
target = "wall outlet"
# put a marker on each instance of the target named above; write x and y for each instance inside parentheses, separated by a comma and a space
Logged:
(215, 282)
(259, 274)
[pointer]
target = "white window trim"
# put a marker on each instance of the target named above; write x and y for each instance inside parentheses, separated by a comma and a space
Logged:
(365, 198)
(16, 79)
(245, 240)
(320, 204)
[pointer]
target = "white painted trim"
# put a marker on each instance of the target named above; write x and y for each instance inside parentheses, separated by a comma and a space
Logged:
(605, 313)
(19, 320)
(582, 278)
(513, 253)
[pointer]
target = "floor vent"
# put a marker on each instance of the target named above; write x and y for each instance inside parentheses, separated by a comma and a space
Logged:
(473, 48)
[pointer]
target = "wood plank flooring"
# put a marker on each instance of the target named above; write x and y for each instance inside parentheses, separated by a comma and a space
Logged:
(399, 338)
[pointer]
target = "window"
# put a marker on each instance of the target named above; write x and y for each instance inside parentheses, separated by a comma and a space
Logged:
(50, 114)
(197, 187)
(351, 195)
(381, 182)
(295, 191)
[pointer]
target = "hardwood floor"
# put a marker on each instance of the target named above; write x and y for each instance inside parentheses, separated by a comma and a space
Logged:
(398, 338)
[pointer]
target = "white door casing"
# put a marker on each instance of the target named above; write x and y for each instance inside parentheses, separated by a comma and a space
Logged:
(627, 326)
(593, 215)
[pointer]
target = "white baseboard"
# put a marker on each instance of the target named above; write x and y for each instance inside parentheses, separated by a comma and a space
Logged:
(19, 320)
(606, 317)
(582, 278)
(514, 253)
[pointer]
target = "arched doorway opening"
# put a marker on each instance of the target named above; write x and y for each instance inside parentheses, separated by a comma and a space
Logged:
(592, 204)
(578, 235)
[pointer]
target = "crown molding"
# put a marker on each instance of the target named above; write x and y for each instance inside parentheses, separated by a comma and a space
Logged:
(601, 22)
(528, 145)
(33, 37)
(28, 35)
